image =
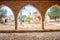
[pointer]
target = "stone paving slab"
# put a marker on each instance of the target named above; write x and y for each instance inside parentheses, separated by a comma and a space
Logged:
(31, 36)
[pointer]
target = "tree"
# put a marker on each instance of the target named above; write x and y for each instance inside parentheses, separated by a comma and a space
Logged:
(3, 13)
(28, 19)
(23, 17)
(20, 18)
(54, 13)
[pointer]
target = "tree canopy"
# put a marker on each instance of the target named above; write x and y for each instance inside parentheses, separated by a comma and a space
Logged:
(3, 13)
(54, 13)
(28, 19)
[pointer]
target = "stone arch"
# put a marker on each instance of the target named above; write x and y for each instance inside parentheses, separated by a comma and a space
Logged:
(50, 23)
(7, 18)
(38, 12)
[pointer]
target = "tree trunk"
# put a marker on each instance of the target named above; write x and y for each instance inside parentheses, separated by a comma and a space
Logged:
(21, 18)
(0, 20)
(55, 19)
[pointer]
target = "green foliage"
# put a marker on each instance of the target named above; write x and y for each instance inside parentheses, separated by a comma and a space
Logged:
(54, 13)
(27, 19)
(23, 18)
(3, 13)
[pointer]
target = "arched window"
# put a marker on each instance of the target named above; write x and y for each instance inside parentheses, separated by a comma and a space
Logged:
(52, 18)
(6, 18)
(29, 18)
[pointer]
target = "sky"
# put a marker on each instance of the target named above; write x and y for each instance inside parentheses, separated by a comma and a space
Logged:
(9, 11)
(27, 9)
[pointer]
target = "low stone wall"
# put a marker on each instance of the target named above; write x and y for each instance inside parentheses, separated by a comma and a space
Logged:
(31, 36)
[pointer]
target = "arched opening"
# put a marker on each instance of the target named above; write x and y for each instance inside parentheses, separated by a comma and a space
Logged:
(52, 18)
(6, 18)
(29, 18)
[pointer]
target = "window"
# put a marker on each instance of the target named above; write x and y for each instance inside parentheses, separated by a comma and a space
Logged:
(6, 18)
(29, 18)
(52, 18)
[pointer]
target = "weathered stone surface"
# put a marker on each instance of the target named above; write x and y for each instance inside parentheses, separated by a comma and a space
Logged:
(30, 36)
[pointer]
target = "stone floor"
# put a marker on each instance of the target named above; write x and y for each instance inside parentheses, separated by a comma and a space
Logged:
(30, 36)
(30, 27)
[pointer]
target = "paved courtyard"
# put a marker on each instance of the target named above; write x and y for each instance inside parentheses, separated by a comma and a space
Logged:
(7, 26)
(53, 26)
(30, 26)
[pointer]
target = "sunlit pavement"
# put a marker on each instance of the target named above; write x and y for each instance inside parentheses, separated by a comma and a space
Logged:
(7, 26)
(53, 26)
(30, 26)
(26, 26)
